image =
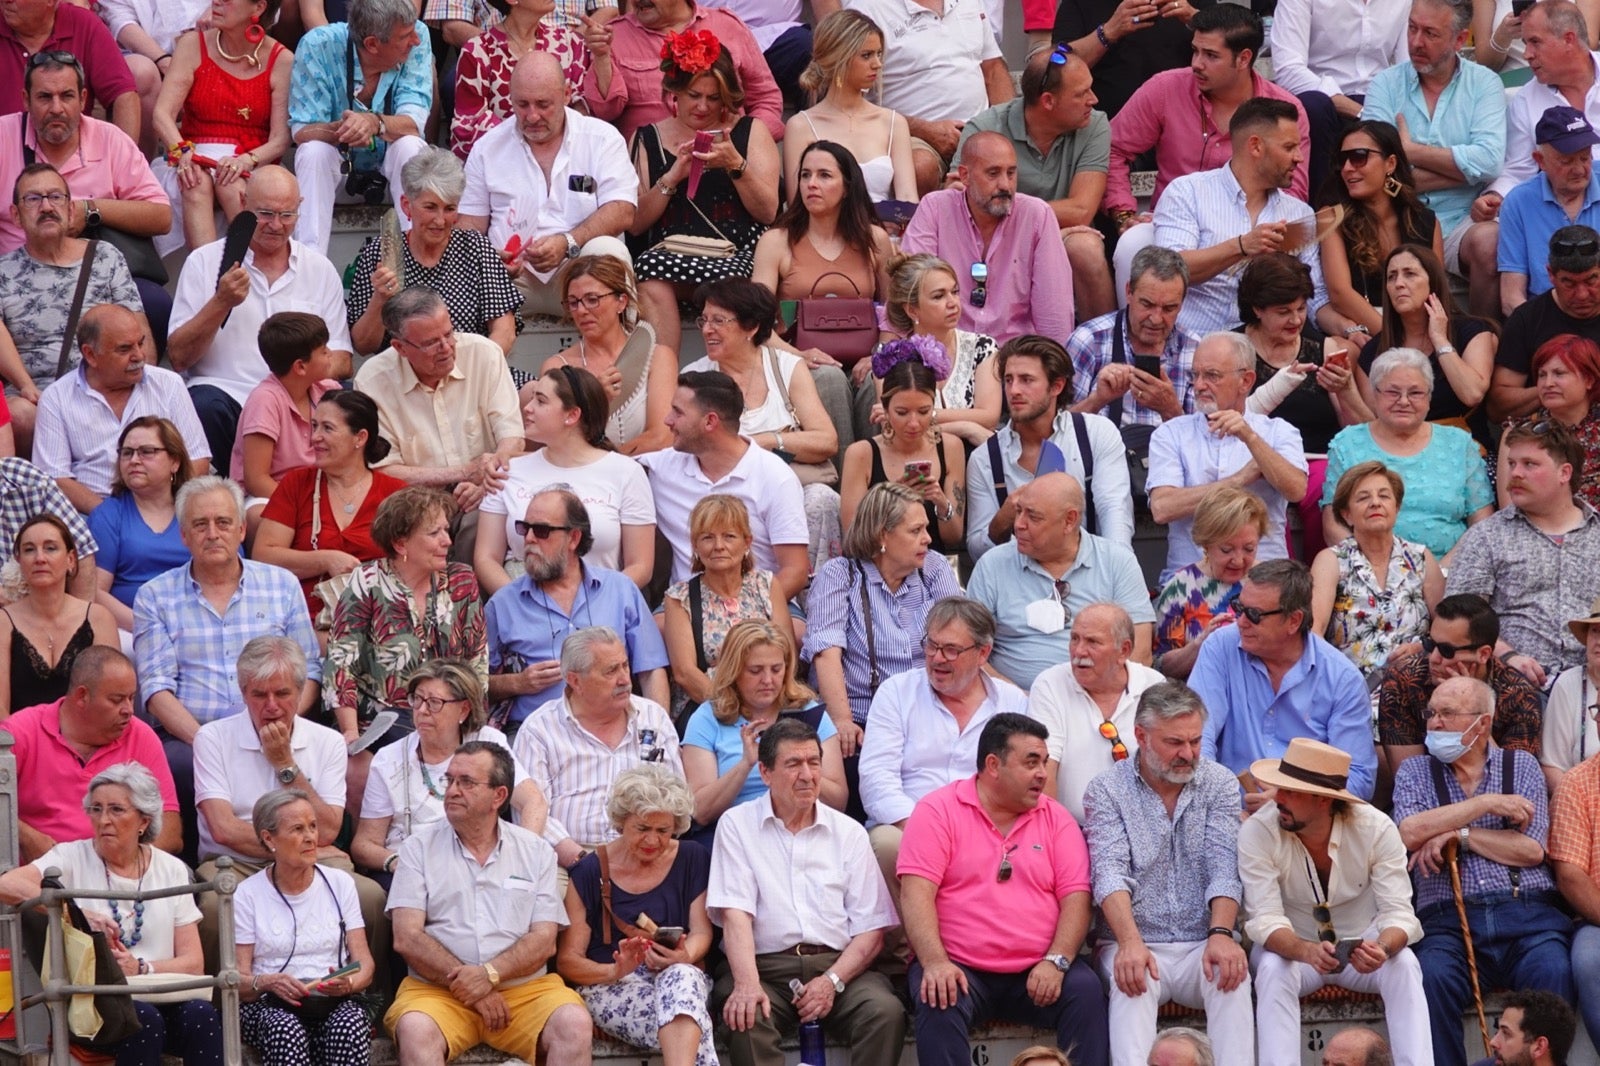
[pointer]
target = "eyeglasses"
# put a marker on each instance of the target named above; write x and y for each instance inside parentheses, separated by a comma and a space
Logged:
(715, 321)
(1411, 396)
(589, 302)
(277, 216)
(430, 704)
(1211, 377)
(1358, 156)
(34, 199)
(540, 530)
(1119, 750)
(1252, 614)
(146, 452)
(115, 810)
(438, 344)
(1003, 874)
(465, 784)
(936, 650)
(1584, 248)
(1447, 651)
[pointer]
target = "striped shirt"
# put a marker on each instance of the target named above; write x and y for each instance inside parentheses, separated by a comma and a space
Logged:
(834, 620)
(575, 769)
(183, 646)
(1208, 208)
(1091, 346)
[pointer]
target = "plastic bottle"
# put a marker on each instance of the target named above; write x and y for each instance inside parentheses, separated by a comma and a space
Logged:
(813, 1050)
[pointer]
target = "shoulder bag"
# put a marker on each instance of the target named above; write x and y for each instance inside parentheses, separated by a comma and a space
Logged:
(819, 473)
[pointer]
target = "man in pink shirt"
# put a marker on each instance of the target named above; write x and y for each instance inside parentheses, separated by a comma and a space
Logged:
(623, 85)
(991, 845)
(60, 747)
(1184, 115)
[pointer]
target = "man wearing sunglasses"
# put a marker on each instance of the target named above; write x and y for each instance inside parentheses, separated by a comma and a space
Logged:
(1572, 305)
(1327, 901)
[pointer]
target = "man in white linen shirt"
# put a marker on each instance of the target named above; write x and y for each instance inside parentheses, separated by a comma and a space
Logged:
(575, 745)
(81, 415)
(1217, 219)
(549, 184)
(925, 723)
(1088, 703)
(476, 912)
(798, 897)
(1565, 74)
(1318, 845)
(1220, 444)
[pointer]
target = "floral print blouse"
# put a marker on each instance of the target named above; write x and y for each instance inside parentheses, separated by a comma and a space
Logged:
(483, 78)
(1368, 622)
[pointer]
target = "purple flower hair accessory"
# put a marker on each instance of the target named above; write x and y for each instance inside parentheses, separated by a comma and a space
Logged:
(918, 347)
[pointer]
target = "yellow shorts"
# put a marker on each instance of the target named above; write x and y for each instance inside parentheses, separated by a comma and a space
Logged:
(530, 1005)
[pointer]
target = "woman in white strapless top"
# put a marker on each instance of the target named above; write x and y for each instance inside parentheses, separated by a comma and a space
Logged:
(846, 57)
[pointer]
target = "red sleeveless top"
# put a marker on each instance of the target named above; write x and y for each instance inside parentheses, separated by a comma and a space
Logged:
(225, 109)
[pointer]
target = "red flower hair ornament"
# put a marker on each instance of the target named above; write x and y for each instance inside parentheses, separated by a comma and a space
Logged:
(692, 52)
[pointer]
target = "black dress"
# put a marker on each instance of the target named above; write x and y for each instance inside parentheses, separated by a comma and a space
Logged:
(1308, 408)
(35, 681)
(720, 202)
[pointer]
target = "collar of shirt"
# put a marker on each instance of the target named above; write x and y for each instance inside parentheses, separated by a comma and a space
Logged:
(238, 591)
(1514, 513)
(466, 856)
(409, 381)
(967, 796)
(927, 697)
(1591, 193)
(1084, 560)
(294, 262)
(695, 19)
(80, 380)
(765, 815)
(530, 590)
(740, 471)
(1060, 430)
(573, 721)
(1307, 664)
(1016, 127)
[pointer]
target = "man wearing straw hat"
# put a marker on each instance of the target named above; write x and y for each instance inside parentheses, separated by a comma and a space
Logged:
(1490, 911)
(1327, 901)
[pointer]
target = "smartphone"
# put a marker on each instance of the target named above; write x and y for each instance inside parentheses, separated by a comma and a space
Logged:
(1344, 947)
(1148, 364)
(922, 468)
(668, 936)
(1520, 7)
(1340, 359)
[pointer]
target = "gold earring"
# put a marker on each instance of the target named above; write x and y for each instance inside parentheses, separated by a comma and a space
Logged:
(1392, 186)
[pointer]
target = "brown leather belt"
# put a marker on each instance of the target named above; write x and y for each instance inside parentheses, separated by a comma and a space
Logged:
(809, 949)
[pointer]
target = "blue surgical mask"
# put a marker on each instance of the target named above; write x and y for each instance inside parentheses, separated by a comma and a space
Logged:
(1445, 746)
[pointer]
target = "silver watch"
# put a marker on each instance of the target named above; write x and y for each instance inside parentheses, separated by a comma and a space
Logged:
(1059, 961)
(287, 774)
(572, 246)
(838, 985)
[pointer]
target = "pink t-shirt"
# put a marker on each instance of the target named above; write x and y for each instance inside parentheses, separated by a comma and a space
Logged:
(984, 923)
(52, 780)
(270, 411)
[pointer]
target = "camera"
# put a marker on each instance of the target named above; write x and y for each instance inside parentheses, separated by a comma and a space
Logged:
(370, 185)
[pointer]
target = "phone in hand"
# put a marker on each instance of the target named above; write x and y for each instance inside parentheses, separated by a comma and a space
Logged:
(922, 468)
(704, 139)
(1339, 359)
(1343, 949)
(1520, 7)
(668, 936)
(1148, 364)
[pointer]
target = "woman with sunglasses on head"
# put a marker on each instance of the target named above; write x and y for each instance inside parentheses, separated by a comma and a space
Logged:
(566, 413)
(638, 375)
(405, 787)
(1228, 527)
(1372, 181)
(1566, 371)
(1372, 593)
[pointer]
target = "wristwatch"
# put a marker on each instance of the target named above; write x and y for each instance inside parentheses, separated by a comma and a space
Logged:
(664, 189)
(287, 774)
(1464, 834)
(738, 172)
(572, 246)
(492, 974)
(838, 985)
(1059, 961)
(1444, 349)
(91, 215)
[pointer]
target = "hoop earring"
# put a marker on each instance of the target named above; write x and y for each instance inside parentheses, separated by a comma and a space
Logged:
(887, 433)
(254, 33)
(1392, 186)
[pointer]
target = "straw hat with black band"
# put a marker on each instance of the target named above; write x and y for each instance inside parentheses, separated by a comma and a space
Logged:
(1308, 766)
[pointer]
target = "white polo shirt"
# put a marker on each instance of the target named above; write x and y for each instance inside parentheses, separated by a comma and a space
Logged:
(76, 432)
(229, 765)
(932, 71)
(506, 184)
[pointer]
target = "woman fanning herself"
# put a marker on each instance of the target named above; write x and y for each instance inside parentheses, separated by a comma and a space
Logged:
(1373, 182)
(737, 192)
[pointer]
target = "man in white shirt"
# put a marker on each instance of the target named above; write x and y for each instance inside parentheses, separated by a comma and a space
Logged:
(708, 455)
(81, 415)
(1088, 702)
(798, 897)
(1565, 74)
(926, 723)
(1221, 443)
(549, 184)
(215, 322)
(575, 745)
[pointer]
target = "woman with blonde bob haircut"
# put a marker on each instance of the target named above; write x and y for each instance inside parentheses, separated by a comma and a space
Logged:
(754, 684)
(1228, 526)
(724, 590)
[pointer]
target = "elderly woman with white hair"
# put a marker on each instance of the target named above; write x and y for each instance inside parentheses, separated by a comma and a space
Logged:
(149, 939)
(1447, 484)
(637, 925)
(460, 264)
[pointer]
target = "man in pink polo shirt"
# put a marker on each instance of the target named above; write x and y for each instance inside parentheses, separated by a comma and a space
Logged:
(60, 746)
(989, 846)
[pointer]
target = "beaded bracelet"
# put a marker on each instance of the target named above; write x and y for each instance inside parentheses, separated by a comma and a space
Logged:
(177, 150)
(1100, 33)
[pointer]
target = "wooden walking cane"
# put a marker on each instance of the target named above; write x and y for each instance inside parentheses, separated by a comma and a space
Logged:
(1451, 856)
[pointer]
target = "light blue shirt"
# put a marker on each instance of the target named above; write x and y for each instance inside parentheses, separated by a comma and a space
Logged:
(1322, 697)
(1469, 119)
(319, 91)
(1006, 582)
(1528, 216)
(726, 743)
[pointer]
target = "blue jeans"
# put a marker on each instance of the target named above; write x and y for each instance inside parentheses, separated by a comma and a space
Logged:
(1078, 1015)
(219, 419)
(1586, 975)
(1519, 943)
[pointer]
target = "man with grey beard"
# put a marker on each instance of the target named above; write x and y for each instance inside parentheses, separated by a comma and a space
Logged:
(1163, 829)
(528, 619)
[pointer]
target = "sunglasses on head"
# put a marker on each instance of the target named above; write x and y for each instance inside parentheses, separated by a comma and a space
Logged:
(1058, 55)
(1119, 750)
(53, 57)
(1585, 248)
(1358, 156)
(1446, 651)
(1253, 614)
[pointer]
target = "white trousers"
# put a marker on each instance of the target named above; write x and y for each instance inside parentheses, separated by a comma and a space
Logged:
(1229, 1019)
(1280, 983)
(316, 165)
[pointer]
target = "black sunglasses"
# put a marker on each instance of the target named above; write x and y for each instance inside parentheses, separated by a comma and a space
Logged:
(1358, 156)
(1585, 248)
(54, 57)
(980, 286)
(1324, 920)
(1003, 874)
(1447, 651)
(540, 530)
(1253, 614)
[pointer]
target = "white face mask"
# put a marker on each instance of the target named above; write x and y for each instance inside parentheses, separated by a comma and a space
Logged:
(1446, 746)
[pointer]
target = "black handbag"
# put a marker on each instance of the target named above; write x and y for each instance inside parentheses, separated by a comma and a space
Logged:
(119, 1019)
(139, 252)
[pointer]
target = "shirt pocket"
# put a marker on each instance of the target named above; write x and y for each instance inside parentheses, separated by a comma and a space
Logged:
(511, 903)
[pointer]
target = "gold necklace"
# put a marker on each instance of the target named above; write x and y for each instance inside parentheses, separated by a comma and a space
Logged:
(253, 59)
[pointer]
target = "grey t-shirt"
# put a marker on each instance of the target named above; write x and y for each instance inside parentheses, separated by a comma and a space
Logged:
(1049, 177)
(35, 298)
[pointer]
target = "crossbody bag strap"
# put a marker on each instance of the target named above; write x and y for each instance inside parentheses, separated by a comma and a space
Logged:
(697, 620)
(77, 307)
(997, 471)
(873, 678)
(1080, 429)
(609, 916)
(783, 390)
(1119, 354)
(316, 510)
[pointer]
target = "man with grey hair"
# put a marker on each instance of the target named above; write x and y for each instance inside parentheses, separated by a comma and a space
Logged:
(478, 973)
(1181, 1046)
(1268, 679)
(446, 405)
(1223, 444)
(191, 623)
(527, 619)
(1163, 830)
(926, 723)
(1088, 702)
(574, 745)
(359, 99)
(1051, 569)
(1135, 366)
(1357, 1046)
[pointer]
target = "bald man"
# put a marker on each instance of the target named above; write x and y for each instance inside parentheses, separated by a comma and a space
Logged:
(1359, 1046)
(1050, 570)
(214, 324)
(1006, 246)
(514, 189)
(82, 415)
